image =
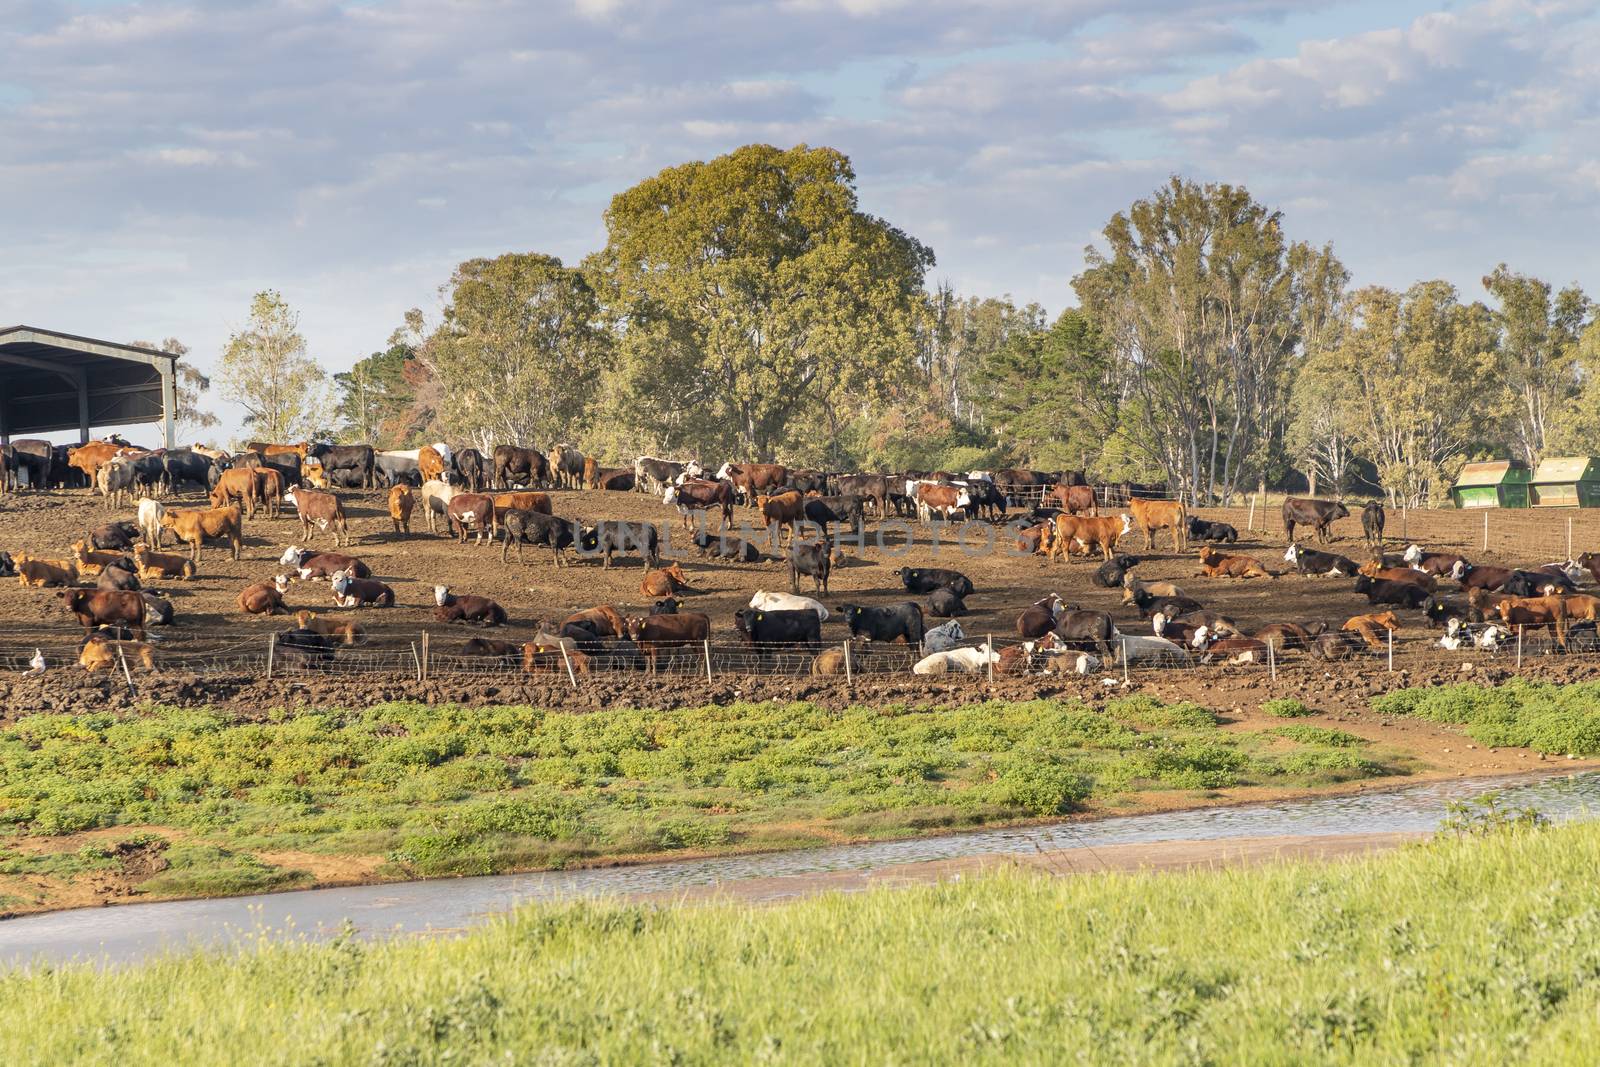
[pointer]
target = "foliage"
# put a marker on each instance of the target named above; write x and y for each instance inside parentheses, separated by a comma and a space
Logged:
(1538, 354)
(1318, 735)
(1286, 708)
(377, 396)
(1480, 950)
(1541, 716)
(1485, 815)
(265, 369)
(190, 417)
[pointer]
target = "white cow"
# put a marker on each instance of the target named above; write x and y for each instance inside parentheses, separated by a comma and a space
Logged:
(150, 512)
(957, 661)
(764, 601)
(435, 495)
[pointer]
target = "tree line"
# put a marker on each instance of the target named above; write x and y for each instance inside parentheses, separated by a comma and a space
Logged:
(747, 307)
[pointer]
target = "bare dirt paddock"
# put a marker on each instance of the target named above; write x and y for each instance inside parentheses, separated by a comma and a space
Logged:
(217, 654)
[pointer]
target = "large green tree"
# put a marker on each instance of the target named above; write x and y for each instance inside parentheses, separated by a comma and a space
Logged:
(755, 303)
(375, 395)
(266, 370)
(1052, 396)
(518, 355)
(1538, 332)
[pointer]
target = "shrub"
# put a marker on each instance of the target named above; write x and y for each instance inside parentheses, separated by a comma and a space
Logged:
(1286, 708)
(1317, 735)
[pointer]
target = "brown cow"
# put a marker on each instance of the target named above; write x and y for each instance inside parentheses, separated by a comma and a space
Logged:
(100, 654)
(240, 484)
(931, 497)
(1035, 538)
(1533, 612)
(1152, 515)
(519, 501)
(1236, 650)
(39, 573)
(264, 449)
(1074, 499)
(540, 658)
(471, 513)
(653, 633)
(89, 458)
(591, 473)
(430, 465)
(697, 494)
(664, 582)
(1214, 564)
(264, 598)
(783, 509)
(755, 480)
(157, 566)
(1398, 574)
(320, 511)
(400, 504)
(104, 607)
(1102, 532)
(91, 563)
(346, 630)
(193, 527)
(269, 484)
(1373, 628)
(603, 619)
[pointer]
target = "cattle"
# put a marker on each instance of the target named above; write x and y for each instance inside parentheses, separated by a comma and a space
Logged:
(319, 511)
(1282, 636)
(1399, 574)
(1074, 499)
(1040, 618)
(1103, 533)
(401, 503)
(540, 658)
(1317, 514)
(847, 510)
(1133, 649)
(117, 576)
(1183, 631)
(1372, 520)
(754, 480)
(264, 598)
(1336, 645)
(1458, 635)
(115, 480)
(1438, 564)
(504, 652)
(1214, 564)
(1086, 631)
(310, 565)
(1385, 591)
(159, 566)
(359, 460)
(665, 582)
(1480, 577)
(652, 633)
(1234, 650)
(1148, 516)
(269, 487)
(985, 500)
(1132, 586)
(287, 464)
(1590, 561)
(956, 661)
(652, 475)
(1439, 611)
(435, 498)
(180, 466)
(90, 457)
(931, 497)
(102, 607)
(347, 631)
(1310, 561)
(1373, 629)
(90, 562)
(946, 604)
(810, 558)
(762, 627)
(114, 535)
(611, 537)
(1537, 583)
(102, 654)
(395, 468)
(700, 495)
(898, 622)
(465, 607)
(807, 482)
(33, 463)
(873, 487)
(1148, 604)
(831, 661)
(240, 485)
(1113, 572)
(780, 510)
(927, 579)
(566, 466)
(602, 620)
(303, 648)
(667, 605)
(430, 464)
(1034, 539)
(522, 501)
(194, 527)
(471, 514)
(615, 479)
(149, 521)
(765, 601)
(352, 592)
(519, 527)
(469, 469)
(514, 466)
(8, 566)
(40, 573)
(264, 449)
(942, 638)
(1219, 532)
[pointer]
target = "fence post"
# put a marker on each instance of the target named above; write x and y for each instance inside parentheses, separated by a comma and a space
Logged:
(1250, 522)
(416, 660)
(1272, 659)
(988, 655)
(125, 672)
(1519, 646)
(1124, 660)
(849, 679)
(1405, 525)
(272, 652)
(1391, 650)
(1569, 536)
(1486, 529)
(426, 654)
(571, 676)
(707, 645)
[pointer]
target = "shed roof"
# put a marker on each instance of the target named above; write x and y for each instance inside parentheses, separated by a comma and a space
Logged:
(1564, 469)
(61, 381)
(1492, 472)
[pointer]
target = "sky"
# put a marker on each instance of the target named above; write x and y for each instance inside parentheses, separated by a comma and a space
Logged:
(162, 161)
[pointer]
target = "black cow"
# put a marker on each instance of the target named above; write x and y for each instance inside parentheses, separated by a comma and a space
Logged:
(1318, 514)
(610, 537)
(389, 470)
(900, 622)
(519, 527)
(669, 606)
(8, 566)
(39, 460)
(946, 604)
(1372, 518)
(727, 546)
(927, 579)
(339, 460)
(304, 648)
(118, 576)
(809, 557)
(63, 475)
(469, 465)
(985, 498)
(158, 612)
(802, 627)
(287, 464)
(1086, 631)
(1205, 530)
(1111, 573)
(1537, 583)
(1310, 561)
(806, 481)
(848, 509)
(1384, 591)
(182, 466)
(873, 487)
(519, 466)
(1149, 604)
(653, 475)
(115, 536)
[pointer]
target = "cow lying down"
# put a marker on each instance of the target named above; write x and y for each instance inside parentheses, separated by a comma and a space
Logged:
(1459, 635)
(957, 661)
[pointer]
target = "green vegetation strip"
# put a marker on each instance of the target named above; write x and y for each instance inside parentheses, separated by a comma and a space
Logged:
(1562, 719)
(455, 790)
(1470, 950)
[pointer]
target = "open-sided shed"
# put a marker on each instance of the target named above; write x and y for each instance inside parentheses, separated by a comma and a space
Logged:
(53, 381)
(1499, 483)
(1566, 482)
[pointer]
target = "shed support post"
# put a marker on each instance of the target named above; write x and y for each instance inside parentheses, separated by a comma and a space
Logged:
(83, 409)
(169, 404)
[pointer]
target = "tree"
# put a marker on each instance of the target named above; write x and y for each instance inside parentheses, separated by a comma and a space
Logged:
(265, 370)
(1538, 344)
(1053, 396)
(755, 304)
(189, 418)
(375, 396)
(519, 353)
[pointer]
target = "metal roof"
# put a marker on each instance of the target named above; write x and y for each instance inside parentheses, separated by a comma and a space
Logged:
(62, 381)
(1564, 469)
(1494, 472)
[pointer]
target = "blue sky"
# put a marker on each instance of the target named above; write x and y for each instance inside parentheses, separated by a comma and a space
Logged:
(161, 161)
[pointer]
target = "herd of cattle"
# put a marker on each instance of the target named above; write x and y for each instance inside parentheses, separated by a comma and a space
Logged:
(507, 499)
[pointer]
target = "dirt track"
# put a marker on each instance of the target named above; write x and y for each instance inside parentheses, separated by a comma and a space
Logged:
(232, 645)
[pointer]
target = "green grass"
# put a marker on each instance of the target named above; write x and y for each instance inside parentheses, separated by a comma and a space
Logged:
(1477, 951)
(1317, 735)
(1286, 708)
(456, 790)
(1563, 719)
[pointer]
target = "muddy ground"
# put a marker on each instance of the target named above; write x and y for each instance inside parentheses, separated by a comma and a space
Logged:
(217, 654)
